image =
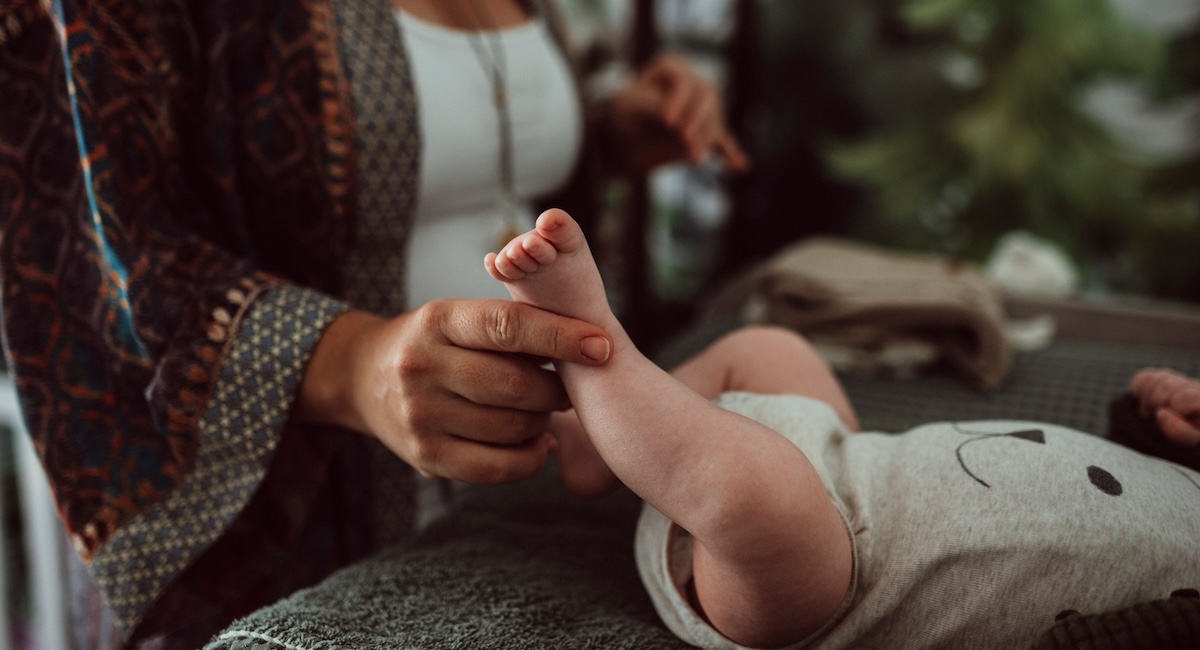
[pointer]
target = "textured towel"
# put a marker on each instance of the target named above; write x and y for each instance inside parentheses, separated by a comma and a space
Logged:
(519, 566)
(858, 295)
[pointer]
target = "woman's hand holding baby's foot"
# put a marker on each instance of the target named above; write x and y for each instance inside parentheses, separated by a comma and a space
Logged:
(1174, 402)
(551, 267)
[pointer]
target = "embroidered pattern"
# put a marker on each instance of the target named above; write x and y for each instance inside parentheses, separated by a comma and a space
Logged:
(389, 149)
(142, 212)
(238, 432)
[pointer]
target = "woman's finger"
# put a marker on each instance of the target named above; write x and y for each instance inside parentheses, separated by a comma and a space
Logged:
(701, 111)
(702, 124)
(492, 424)
(677, 83)
(679, 101)
(473, 462)
(501, 380)
(731, 152)
(507, 326)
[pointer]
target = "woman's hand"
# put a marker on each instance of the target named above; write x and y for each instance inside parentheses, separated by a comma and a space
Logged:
(1173, 400)
(454, 388)
(668, 113)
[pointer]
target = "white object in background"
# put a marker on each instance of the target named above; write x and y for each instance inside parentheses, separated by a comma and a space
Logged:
(1154, 130)
(1027, 265)
(45, 541)
(689, 207)
(899, 358)
(695, 20)
(1034, 333)
(1169, 17)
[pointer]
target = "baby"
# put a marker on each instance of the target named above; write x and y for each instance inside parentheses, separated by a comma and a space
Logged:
(768, 524)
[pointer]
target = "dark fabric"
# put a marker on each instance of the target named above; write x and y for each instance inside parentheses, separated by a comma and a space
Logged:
(1127, 426)
(107, 304)
(388, 142)
(1170, 624)
(1069, 383)
(162, 167)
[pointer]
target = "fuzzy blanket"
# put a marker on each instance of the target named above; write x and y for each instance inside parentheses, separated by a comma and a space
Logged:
(518, 566)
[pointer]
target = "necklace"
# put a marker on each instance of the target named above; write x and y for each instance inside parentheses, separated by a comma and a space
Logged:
(495, 66)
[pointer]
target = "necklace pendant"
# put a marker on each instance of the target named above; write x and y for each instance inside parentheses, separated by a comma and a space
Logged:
(510, 230)
(508, 234)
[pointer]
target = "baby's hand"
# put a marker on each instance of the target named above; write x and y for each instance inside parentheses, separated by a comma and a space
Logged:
(1174, 402)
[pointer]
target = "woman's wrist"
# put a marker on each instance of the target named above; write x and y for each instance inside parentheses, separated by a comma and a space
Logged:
(326, 390)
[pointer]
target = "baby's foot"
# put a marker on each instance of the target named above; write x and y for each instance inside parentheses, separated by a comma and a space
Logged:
(551, 267)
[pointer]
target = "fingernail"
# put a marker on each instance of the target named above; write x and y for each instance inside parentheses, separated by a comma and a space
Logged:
(596, 348)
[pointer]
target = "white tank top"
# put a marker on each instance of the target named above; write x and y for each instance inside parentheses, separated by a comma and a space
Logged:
(458, 217)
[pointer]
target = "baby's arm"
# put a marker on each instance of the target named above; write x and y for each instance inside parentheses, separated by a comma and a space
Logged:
(1174, 402)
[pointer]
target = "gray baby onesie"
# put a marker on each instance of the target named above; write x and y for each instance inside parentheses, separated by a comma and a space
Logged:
(970, 534)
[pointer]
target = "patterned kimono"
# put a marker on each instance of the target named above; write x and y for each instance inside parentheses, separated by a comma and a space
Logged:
(179, 186)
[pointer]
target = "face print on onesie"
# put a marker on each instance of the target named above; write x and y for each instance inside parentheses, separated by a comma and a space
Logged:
(1099, 477)
(1087, 484)
(986, 530)
(1026, 459)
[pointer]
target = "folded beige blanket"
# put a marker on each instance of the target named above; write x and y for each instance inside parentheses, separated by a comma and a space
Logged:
(858, 295)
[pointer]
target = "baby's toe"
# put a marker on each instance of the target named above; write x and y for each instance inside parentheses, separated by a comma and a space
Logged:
(558, 228)
(489, 263)
(506, 266)
(521, 257)
(539, 249)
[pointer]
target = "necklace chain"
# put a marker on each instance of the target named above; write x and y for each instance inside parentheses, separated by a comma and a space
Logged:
(495, 66)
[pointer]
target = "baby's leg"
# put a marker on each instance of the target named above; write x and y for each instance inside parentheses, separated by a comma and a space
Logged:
(768, 361)
(754, 359)
(772, 558)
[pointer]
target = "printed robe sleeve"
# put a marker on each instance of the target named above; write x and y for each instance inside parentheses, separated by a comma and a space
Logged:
(172, 184)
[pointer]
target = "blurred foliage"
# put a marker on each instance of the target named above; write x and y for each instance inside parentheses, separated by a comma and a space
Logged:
(971, 122)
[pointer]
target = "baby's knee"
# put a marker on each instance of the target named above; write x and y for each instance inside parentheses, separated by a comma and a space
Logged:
(759, 339)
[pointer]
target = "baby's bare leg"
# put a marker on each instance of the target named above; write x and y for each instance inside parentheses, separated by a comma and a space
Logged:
(768, 361)
(772, 559)
(755, 359)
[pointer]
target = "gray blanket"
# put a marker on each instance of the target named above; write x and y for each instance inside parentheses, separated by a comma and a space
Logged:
(519, 566)
(528, 566)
